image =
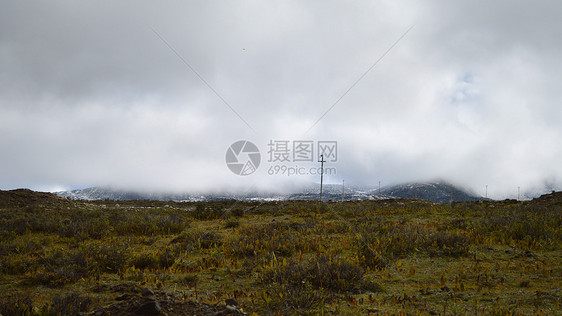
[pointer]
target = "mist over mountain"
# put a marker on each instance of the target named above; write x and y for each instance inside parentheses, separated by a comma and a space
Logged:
(438, 192)
(106, 193)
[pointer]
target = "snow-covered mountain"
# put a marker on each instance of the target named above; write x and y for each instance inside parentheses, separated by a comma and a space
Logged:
(334, 192)
(439, 192)
(105, 193)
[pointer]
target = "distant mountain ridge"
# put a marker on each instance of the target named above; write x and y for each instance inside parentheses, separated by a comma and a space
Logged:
(438, 192)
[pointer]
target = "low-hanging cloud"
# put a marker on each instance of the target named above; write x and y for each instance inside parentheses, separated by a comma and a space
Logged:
(90, 95)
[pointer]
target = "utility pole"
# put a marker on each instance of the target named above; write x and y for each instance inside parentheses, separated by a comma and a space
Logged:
(342, 190)
(486, 191)
(321, 174)
(379, 190)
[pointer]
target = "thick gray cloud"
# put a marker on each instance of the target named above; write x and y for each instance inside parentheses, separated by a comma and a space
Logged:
(90, 95)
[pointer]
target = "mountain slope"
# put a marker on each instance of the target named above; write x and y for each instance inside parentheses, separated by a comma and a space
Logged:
(439, 192)
(25, 197)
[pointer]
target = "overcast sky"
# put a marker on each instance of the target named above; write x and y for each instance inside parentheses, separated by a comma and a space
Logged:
(143, 94)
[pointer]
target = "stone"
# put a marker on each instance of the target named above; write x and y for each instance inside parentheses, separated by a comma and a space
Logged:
(231, 302)
(149, 308)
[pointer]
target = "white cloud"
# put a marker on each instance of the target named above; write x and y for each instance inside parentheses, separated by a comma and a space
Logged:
(89, 95)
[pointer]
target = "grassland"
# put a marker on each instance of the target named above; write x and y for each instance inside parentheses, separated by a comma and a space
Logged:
(388, 257)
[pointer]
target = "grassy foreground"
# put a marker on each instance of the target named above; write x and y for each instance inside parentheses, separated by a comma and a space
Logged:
(388, 257)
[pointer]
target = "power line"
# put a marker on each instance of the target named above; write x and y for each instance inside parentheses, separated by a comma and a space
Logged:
(360, 78)
(201, 78)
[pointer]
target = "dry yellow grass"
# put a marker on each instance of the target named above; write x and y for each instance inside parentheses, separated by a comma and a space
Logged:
(297, 257)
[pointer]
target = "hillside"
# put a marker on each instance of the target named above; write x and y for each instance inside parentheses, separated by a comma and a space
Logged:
(438, 192)
(25, 197)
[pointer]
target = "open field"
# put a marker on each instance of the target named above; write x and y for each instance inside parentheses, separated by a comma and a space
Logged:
(395, 257)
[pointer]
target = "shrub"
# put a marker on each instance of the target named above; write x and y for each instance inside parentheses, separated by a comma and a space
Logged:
(145, 261)
(88, 259)
(370, 257)
(337, 227)
(237, 212)
(16, 304)
(13, 265)
(528, 226)
(447, 244)
(301, 287)
(147, 223)
(232, 223)
(376, 248)
(189, 280)
(202, 212)
(288, 300)
(328, 273)
(56, 278)
(335, 274)
(84, 226)
(190, 240)
(284, 239)
(107, 258)
(158, 259)
(69, 304)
